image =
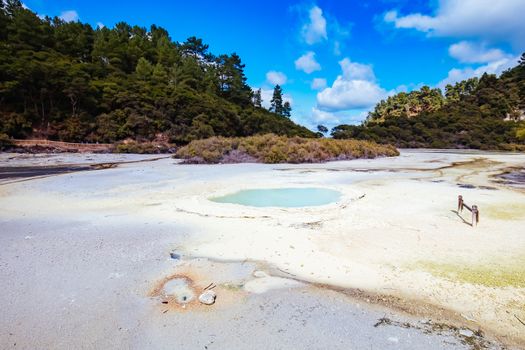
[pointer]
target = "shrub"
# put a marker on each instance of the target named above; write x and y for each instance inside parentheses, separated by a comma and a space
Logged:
(5, 142)
(270, 148)
(131, 146)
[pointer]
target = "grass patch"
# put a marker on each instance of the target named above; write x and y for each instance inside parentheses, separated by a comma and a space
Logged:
(507, 273)
(514, 211)
(271, 148)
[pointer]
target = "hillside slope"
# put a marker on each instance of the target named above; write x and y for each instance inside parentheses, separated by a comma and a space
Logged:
(484, 113)
(67, 81)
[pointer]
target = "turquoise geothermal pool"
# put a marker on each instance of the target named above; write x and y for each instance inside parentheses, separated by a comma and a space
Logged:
(281, 197)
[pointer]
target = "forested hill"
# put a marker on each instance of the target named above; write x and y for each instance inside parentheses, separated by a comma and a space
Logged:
(484, 113)
(67, 81)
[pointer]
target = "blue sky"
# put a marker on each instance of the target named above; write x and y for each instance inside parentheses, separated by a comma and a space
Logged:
(334, 59)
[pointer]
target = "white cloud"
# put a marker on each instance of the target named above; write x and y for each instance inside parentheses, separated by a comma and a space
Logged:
(485, 22)
(488, 20)
(355, 88)
(276, 78)
(307, 63)
(468, 52)
(350, 94)
(318, 83)
(320, 116)
(100, 25)
(315, 30)
(69, 16)
(496, 67)
(355, 70)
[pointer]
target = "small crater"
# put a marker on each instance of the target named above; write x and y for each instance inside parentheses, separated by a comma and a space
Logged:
(177, 291)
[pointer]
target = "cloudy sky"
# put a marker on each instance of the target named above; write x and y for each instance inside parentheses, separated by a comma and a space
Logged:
(334, 59)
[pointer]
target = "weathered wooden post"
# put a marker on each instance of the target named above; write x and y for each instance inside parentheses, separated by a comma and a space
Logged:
(474, 210)
(475, 215)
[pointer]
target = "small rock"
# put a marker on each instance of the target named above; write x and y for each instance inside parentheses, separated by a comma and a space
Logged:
(466, 333)
(208, 297)
(259, 274)
(174, 255)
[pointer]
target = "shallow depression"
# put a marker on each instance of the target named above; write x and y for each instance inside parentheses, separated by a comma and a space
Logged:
(179, 288)
(281, 197)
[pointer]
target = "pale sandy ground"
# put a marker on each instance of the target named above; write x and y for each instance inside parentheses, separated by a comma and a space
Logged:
(82, 252)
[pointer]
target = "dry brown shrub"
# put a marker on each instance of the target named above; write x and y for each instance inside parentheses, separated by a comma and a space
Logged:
(270, 148)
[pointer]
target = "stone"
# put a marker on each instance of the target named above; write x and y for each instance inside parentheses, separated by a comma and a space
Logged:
(260, 274)
(466, 333)
(208, 297)
(174, 255)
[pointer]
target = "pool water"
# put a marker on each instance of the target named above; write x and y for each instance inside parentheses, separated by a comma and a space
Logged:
(282, 197)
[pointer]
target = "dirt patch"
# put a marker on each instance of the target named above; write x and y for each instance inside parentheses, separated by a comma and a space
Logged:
(472, 338)
(103, 166)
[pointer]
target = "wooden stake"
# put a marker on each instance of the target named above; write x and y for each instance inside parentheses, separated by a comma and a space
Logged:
(475, 215)
(460, 203)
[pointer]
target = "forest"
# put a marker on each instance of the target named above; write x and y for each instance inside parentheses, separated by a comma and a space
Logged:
(480, 113)
(71, 82)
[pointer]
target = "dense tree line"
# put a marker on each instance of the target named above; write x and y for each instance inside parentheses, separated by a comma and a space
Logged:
(484, 113)
(67, 81)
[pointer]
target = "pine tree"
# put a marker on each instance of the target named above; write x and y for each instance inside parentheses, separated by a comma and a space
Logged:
(159, 74)
(277, 100)
(194, 47)
(257, 98)
(144, 69)
(287, 110)
(232, 81)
